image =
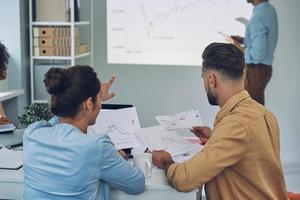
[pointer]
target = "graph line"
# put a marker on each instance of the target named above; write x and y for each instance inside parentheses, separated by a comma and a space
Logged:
(174, 8)
(115, 129)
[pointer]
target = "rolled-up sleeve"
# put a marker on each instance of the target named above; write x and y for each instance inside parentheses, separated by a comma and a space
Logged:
(223, 149)
(258, 48)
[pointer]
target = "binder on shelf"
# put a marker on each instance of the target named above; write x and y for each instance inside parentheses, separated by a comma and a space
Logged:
(45, 10)
(54, 41)
(54, 31)
(76, 10)
(54, 51)
(59, 51)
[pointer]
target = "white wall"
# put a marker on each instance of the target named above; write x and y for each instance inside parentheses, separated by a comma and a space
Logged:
(283, 92)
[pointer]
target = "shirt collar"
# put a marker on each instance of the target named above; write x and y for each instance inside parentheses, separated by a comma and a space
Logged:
(260, 6)
(231, 104)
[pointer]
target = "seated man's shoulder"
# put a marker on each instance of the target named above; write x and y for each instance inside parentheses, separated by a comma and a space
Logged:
(249, 113)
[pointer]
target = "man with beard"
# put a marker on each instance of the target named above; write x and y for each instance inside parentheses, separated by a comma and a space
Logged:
(4, 57)
(241, 156)
(260, 42)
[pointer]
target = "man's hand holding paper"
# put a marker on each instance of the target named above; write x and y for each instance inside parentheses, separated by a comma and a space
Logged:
(202, 132)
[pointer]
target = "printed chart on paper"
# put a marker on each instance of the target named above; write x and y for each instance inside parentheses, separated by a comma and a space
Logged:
(119, 125)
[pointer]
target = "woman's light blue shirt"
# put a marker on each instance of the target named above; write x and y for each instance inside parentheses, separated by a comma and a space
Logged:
(261, 35)
(60, 162)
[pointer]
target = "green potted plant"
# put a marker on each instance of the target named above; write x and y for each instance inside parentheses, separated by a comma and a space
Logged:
(35, 112)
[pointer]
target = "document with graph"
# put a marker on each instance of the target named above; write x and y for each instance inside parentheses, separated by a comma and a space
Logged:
(119, 125)
(181, 121)
(158, 138)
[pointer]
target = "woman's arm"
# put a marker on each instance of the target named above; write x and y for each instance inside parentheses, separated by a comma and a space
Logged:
(118, 172)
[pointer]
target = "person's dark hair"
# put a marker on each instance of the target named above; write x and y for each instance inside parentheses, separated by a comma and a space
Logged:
(4, 57)
(225, 58)
(70, 87)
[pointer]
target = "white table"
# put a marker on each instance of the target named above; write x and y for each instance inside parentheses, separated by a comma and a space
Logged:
(11, 182)
(156, 188)
(11, 187)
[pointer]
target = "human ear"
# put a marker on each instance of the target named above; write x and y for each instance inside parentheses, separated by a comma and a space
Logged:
(89, 103)
(212, 80)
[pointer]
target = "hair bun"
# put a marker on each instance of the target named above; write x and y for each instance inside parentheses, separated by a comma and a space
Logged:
(56, 80)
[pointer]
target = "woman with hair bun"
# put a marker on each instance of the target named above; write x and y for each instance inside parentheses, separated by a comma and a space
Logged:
(62, 161)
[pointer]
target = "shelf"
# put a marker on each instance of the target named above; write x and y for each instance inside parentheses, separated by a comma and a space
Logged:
(9, 94)
(60, 23)
(60, 57)
(69, 30)
(82, 55)
(40, 101)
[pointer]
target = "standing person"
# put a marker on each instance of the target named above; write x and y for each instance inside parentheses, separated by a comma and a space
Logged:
(4, 58)
(260, 43)
(62, 161)
(241, 156)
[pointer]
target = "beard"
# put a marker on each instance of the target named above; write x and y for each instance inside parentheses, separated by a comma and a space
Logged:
(211, 98)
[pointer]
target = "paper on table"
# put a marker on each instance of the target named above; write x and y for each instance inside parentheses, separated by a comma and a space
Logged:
(158, 138)
(119, 126)
(181, 121)
(188, 155)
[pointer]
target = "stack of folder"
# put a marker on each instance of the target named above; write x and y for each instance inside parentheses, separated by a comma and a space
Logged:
(56, 41)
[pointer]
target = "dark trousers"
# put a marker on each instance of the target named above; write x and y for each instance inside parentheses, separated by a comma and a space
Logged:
(256, 79)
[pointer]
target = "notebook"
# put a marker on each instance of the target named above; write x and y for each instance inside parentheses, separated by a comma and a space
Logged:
(7, 128)
(10, 159)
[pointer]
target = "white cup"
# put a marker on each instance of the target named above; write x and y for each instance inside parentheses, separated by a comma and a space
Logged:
(143, 162)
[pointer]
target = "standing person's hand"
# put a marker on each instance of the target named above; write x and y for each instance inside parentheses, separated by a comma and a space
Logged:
(105, 87)
(237, 38)
(235, 41)
(231, 40)
(202, 132)
(4, 120)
